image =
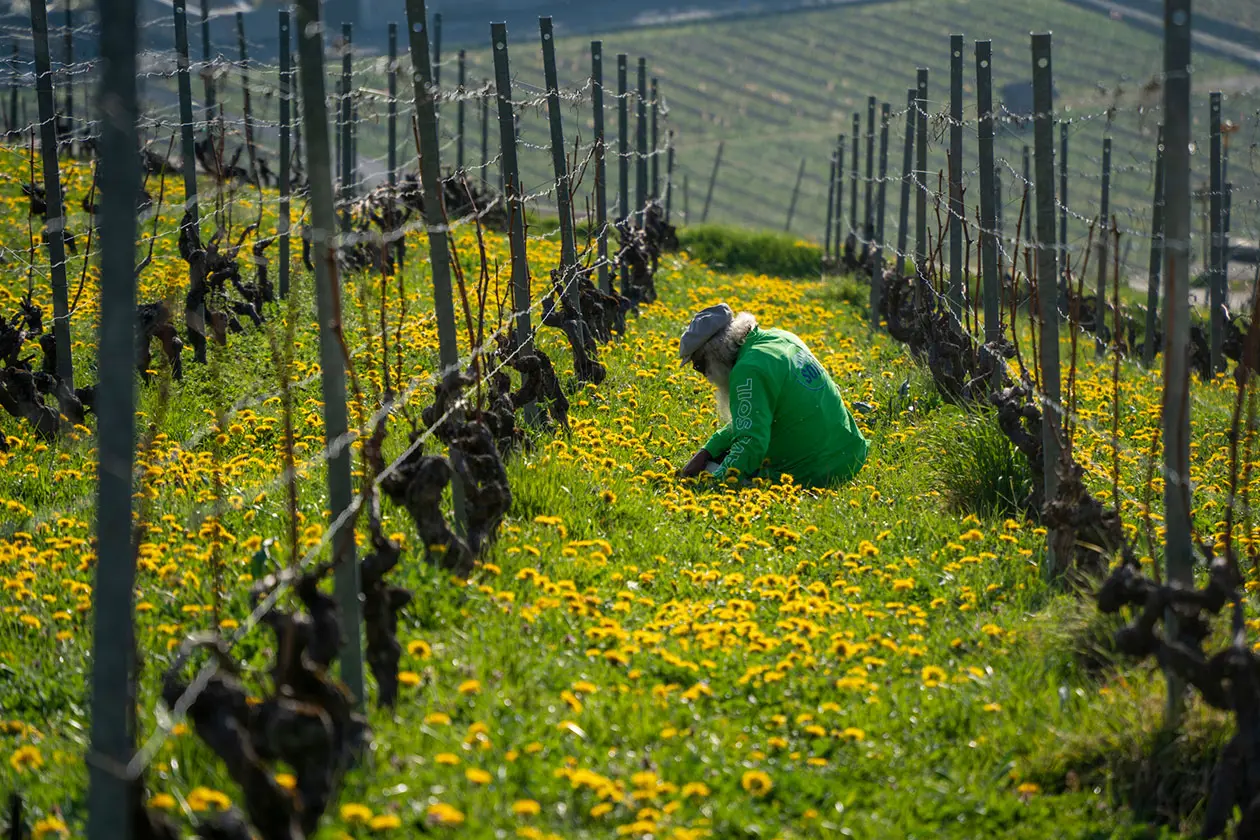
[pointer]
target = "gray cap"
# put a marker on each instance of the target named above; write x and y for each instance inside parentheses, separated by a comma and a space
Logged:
(704, 325)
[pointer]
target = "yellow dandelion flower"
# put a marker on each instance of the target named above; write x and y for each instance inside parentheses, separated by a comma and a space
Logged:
(26, 758)
(356, 814)
(440, 813)
(756, 782)
(50, 827)
(526, 808)
(384, 822)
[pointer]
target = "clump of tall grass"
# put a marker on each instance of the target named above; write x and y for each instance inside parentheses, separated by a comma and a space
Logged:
(976, 468)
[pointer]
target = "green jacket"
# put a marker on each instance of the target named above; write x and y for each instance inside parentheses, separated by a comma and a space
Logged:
(786, 414)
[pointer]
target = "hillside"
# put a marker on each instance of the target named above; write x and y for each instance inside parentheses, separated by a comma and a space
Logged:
(779, 89)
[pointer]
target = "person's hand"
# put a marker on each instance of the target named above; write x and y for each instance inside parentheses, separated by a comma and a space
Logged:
(696, 465)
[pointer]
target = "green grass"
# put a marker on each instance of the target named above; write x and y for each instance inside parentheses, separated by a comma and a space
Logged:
(636, 651)
(726, 248)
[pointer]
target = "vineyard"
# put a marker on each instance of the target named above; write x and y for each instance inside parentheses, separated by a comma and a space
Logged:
(345, 503)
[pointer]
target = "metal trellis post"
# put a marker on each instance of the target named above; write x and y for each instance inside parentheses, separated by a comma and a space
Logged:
(187, 144)
(601, 165)
(920, 184)
(907, 180)
(110, 800)
(708, 196)
(286, 128)
(623, 137)
(831, 201)
(207, 69)
(877, 260)
(957, 212)
(1102, 237)
(1216, 279)
(641, 152)
(1157, 254)
(560, 166)
(868, 215)
(796, 192)
(989, 200)
(395, 246)
(347, 122)
(1178, 559)
(1065, 262)
(1047, 272)
(461, 111)
(56, 227)
(655, 147)
(513, 194)
(250, 148)
(669, 173)
(327, 291)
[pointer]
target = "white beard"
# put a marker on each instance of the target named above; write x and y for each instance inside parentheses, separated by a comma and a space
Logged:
(721, 380)
(724, 405)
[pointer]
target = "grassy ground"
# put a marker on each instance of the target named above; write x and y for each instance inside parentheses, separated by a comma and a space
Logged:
(637, 655)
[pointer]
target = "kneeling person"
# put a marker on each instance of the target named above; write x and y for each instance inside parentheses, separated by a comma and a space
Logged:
(781, 408)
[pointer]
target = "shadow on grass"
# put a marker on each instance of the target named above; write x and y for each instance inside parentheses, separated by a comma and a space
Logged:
(1161, 777)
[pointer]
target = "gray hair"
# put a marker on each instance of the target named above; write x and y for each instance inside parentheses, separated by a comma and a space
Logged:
(718, 353)
(717, 356)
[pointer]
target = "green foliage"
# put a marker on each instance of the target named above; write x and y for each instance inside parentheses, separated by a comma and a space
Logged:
(976, 467)
(757, 252)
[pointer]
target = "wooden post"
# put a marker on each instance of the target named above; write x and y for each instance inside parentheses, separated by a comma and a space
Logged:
(55, 230)
(327, 291)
